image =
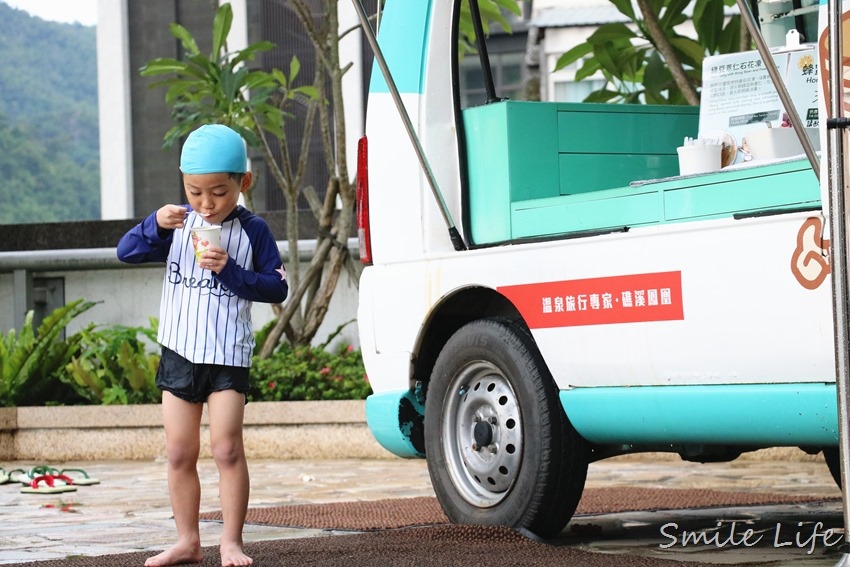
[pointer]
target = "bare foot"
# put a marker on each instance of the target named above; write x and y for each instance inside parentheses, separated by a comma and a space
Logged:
(233, 556)
(177, 555)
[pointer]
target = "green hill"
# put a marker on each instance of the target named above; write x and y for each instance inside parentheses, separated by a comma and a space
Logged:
(49, 154)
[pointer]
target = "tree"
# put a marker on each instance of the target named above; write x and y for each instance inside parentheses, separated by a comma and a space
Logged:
(221, 88)
(492, 11)
(649, 61)
(335, 224)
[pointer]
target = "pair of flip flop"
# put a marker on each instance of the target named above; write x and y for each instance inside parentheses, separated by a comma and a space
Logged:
(48, 480)
(49, 484)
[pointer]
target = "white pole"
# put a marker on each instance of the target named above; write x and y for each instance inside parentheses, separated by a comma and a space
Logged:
(838, 249)
(114, 117)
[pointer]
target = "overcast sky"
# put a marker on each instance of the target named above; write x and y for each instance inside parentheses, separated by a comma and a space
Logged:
(67, 11)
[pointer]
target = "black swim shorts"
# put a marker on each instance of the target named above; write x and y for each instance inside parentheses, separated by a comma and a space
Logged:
(195, 382)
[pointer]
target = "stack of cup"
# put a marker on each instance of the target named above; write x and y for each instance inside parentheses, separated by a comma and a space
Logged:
(699, 156)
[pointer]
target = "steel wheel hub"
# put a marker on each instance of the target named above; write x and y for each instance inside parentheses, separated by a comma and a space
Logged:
(482, 434)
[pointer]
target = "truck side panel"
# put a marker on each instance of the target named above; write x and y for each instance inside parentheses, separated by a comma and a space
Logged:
(687, 295)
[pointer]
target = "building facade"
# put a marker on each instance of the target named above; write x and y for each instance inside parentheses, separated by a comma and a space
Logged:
(137, 174)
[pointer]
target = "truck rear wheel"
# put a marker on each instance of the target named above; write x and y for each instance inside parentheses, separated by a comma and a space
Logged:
(499, 447)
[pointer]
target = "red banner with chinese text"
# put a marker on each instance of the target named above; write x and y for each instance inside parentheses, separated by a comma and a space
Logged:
(599, 301)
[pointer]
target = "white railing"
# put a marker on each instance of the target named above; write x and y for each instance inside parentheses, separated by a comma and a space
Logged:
(128, 294)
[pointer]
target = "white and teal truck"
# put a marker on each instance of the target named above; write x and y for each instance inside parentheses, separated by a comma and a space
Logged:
(542, 289)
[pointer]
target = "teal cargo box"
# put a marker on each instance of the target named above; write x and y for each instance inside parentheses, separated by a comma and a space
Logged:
(519, 151)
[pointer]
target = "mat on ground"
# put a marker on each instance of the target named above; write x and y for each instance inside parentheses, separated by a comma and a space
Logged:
(424, 511)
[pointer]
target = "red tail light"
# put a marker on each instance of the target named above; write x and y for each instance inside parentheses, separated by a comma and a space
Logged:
(363, 233)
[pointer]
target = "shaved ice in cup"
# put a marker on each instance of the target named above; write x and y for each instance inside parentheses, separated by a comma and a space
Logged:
(203, 237)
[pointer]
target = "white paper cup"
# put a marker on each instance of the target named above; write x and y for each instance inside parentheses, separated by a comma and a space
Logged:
(205, 236)
(699, 158)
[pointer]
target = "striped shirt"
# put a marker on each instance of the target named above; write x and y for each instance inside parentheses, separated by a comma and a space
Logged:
(206, 317)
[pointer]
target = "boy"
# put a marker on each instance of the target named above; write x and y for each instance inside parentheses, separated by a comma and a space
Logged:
(205, 330)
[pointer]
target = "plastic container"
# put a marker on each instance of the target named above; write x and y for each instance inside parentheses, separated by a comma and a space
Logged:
(775, 143)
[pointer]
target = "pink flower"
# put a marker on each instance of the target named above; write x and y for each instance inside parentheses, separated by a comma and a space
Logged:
(272, 385)
(366, 378)
(338, 378)
(350, 348)
(325, 371)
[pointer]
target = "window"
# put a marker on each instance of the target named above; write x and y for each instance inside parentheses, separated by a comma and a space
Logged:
(575, 91)
(507, 77)
(562, 84)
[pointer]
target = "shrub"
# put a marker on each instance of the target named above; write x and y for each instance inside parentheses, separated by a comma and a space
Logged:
(31, 359)
(114, 367)
(309, 373)
(117, 365)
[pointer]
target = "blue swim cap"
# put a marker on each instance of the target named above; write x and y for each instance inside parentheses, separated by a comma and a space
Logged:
(214, 148)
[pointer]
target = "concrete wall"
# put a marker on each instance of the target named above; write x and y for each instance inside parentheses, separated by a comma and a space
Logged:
(131, 296)
(273, 430)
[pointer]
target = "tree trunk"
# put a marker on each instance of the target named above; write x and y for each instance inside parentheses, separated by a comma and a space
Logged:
(746, 40)
(662, 43)
(293, 302)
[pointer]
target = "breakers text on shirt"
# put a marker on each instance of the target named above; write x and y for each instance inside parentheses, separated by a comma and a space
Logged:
(205, 285)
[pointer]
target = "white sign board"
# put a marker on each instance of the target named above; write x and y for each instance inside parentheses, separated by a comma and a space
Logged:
(738, 96)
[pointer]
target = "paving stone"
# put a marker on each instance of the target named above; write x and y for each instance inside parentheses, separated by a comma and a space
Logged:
(130, 511)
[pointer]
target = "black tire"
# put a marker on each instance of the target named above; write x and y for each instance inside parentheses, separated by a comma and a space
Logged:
(833, 463)
(499, 447)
